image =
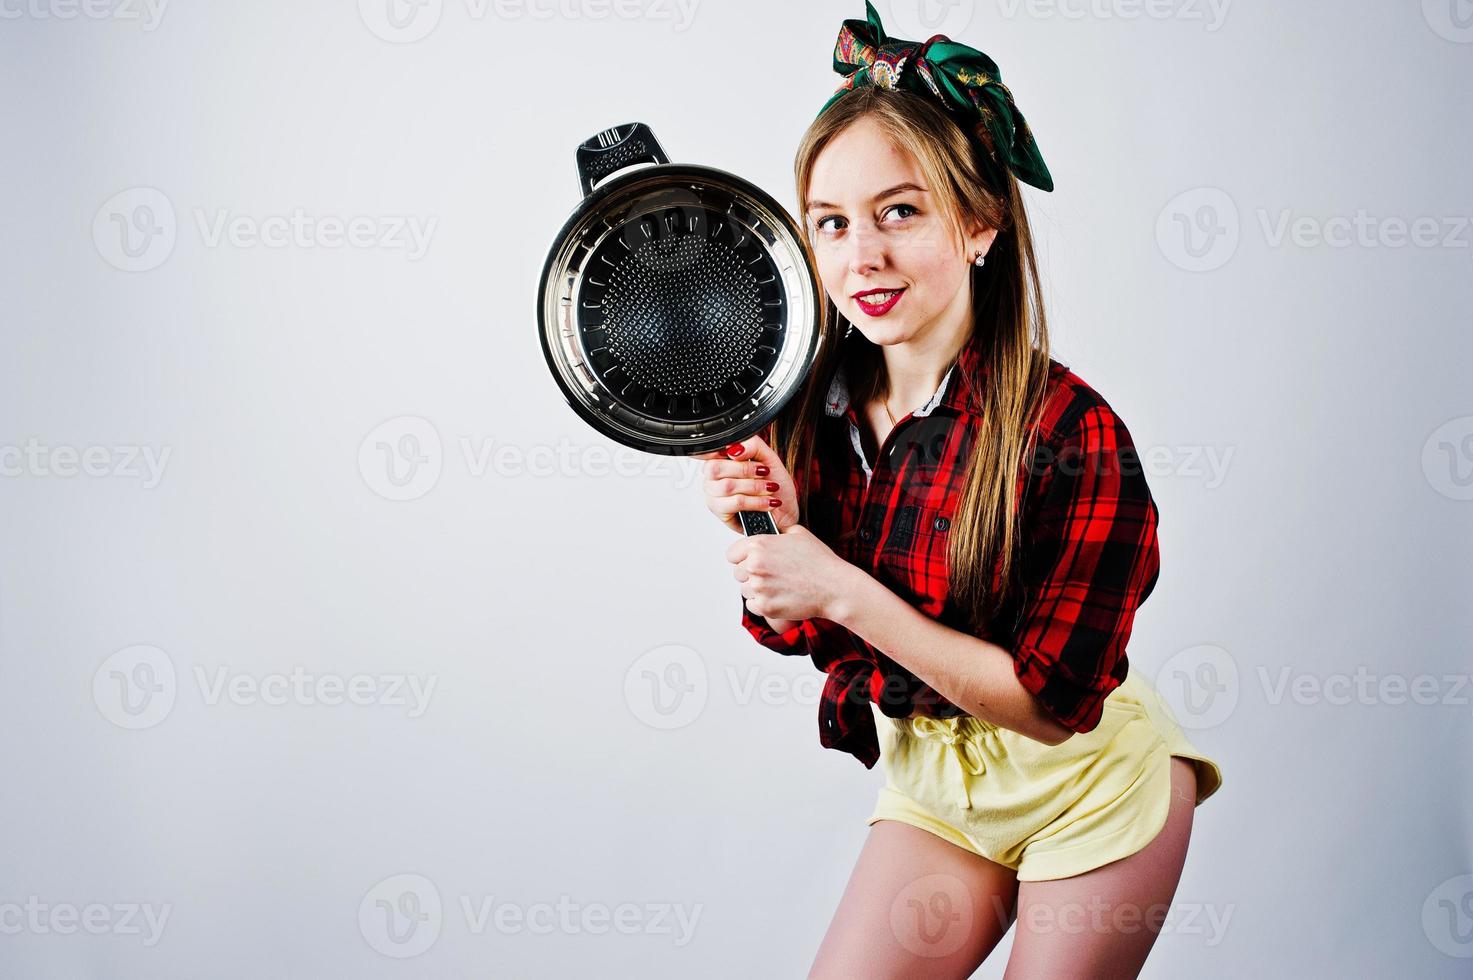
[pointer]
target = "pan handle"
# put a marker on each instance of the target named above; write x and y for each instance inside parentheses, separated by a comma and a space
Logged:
(614, 149)
(756, 522)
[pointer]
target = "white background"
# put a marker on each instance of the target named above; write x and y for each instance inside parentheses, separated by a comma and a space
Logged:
(539, 591)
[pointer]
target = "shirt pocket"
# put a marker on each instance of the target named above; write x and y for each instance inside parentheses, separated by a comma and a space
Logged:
(914, 555)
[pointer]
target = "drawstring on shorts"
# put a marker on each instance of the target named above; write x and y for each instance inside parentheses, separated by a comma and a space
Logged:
(966, 735)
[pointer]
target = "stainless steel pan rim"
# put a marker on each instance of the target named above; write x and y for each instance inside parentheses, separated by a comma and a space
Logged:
(665, 226)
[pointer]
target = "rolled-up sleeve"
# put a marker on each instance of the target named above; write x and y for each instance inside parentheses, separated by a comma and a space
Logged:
(793, 642)
(1091, 560)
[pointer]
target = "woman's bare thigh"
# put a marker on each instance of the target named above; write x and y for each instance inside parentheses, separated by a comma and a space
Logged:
(916, 906)
(1101, 924)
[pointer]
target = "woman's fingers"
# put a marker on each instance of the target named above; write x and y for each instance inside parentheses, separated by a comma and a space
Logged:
(749, 475)
(726, 505)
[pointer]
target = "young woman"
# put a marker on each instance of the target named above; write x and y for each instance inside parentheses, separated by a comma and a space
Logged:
(964, 551)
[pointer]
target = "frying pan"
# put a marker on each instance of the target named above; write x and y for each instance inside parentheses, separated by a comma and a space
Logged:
(678, 308)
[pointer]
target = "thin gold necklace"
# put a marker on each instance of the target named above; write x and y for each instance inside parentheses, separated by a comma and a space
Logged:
(886, 406)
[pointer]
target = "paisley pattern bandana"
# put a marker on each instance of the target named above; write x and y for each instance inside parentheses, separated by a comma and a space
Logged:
(966, 81)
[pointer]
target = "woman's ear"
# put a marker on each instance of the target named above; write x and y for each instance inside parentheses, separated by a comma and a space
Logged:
(979, 238)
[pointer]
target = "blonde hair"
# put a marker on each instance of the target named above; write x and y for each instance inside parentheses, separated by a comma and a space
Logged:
(1009, 327)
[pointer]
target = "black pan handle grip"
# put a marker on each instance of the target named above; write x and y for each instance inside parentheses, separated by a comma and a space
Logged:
(756, 522)
(614, 149)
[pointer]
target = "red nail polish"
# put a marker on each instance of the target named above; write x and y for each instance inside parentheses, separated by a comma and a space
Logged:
(774, 502)
(763, 471)
(734, 449)
(771, 487)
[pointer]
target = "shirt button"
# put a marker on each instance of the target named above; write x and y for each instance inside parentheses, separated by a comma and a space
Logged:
(865, 534)
(942, 523)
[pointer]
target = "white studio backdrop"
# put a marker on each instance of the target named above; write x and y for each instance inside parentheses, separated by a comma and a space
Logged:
(332, 643)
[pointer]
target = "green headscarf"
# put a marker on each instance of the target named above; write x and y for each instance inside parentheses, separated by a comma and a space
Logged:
(966, 81)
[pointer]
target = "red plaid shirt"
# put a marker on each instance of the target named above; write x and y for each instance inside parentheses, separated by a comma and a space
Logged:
(1089, 555)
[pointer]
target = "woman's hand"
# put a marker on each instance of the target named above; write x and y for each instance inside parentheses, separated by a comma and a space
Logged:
(748, 475)
(790, 576)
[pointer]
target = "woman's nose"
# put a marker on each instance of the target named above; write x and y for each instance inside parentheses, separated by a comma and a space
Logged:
(866, 252)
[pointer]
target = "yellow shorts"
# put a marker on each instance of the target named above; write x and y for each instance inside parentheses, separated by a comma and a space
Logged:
(1045, 811)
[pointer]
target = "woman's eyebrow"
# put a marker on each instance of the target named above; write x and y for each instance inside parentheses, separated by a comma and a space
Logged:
(898, 188)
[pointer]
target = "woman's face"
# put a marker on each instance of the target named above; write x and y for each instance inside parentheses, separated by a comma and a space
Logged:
(876, 226)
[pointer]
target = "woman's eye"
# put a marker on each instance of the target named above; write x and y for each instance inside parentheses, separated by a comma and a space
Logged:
(906, 207)
(829, 217)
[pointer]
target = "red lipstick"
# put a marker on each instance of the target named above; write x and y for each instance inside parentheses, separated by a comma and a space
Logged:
(889, 299)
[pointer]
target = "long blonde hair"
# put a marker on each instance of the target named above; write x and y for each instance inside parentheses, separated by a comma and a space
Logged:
(1009, 326)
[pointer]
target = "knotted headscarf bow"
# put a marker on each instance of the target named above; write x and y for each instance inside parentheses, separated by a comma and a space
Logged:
(963, 78)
